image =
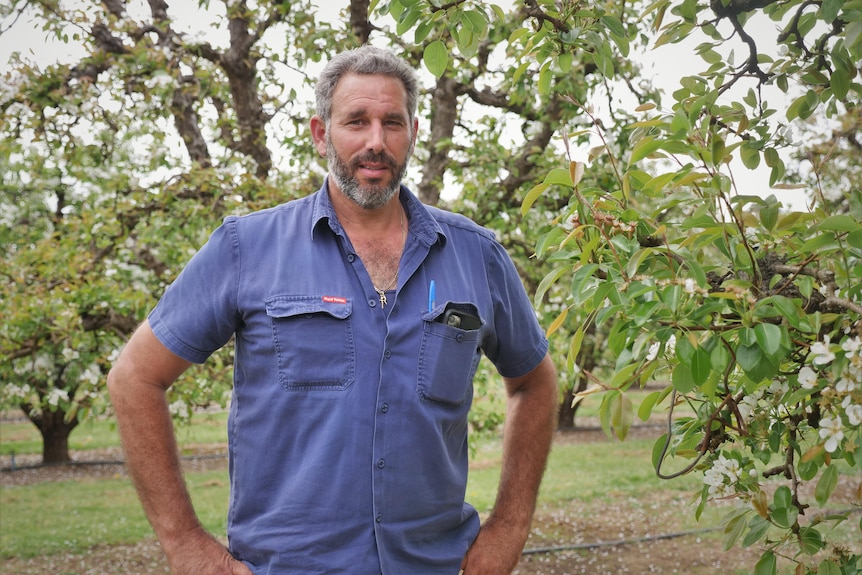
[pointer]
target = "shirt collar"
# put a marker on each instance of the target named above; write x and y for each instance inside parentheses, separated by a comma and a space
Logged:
(422, 223)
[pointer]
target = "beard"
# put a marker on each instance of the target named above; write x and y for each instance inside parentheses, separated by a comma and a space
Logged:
(369, 196)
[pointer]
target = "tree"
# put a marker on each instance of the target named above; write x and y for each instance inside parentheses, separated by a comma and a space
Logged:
(753, 311)
(122, 160)
(647, 246)
(104, 206)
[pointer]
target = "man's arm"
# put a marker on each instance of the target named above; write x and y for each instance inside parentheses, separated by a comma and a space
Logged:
(137, 384)
(531, 417)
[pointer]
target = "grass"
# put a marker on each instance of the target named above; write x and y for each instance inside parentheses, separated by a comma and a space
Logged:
(49, 518)
(21, 436)
(583, 478)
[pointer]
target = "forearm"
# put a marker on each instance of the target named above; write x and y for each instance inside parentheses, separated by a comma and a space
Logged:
(152, 458)
(530, 425)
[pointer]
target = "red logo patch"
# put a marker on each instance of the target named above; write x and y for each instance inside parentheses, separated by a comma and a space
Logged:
(334, 299)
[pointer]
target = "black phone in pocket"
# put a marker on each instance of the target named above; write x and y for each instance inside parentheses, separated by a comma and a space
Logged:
(460, 319)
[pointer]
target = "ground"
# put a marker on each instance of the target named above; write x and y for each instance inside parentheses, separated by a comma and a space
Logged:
(625, 536)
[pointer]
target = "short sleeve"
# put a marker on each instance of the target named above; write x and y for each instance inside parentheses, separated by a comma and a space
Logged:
(198, 312)
(518, 343)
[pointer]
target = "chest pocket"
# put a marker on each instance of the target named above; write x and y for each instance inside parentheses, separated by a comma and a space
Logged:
(448, 358)
(313, 340)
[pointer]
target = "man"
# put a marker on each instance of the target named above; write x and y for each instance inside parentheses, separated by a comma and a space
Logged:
(359, 316)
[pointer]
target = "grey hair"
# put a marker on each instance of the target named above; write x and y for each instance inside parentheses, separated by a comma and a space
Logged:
(364, 60)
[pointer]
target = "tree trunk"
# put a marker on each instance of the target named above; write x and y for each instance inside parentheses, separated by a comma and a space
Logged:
(586, 360)
(566, 419)
(55, 434)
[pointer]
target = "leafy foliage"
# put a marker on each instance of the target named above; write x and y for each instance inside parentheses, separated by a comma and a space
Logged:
(751, 311)
(652, 264)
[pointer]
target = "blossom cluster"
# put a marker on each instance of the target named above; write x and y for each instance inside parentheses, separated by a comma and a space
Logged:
(722, 477)
(839, 386)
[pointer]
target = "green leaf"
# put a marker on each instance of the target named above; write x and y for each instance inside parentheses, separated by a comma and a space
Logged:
(826, 485)
(701, 366)
(621, 415)
(560, 177)
(575, 347)
(644, 148)
(682, 379)
(532, 196)
(817, 242)
(830, 9)
(810, 540)
(754, 363)
(436, 58)
(734, 528)
(768, 338)
(613, 24)
(769, 216)
(647, 405)
(422, 30)
(406, 21)
(547, 281)
(782, 497)
(582, 278)
(544, 84)
(828, 567)
(750, 156)
(841, 223)
(795, 109)
(767, 565)
(785, 517)
(476, 21)
(840, 83)
(757, 528)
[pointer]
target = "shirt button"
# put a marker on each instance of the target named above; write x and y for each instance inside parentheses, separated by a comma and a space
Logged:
(381, 464)
(372, 303)
(387, 354)
(460, 337)
(379, 518)
(384, 408)
(351, 258)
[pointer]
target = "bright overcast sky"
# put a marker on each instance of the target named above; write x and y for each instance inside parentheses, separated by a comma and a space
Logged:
(665, 65)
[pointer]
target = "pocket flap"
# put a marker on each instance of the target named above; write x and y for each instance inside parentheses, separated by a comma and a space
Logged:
(290, 306)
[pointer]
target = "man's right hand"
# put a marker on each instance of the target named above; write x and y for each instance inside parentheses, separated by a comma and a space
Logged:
(202, 554)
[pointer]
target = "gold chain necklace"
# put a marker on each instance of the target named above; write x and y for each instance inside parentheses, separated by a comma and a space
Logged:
(382, 292)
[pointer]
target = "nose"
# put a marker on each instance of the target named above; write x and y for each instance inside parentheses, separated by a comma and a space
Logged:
(376, 140)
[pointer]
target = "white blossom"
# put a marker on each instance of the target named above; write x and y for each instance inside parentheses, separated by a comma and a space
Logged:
(70, 354)
(748, 405)
(689, 286)
(852, 346)
(722, 476)
(854, 414)
(15, 392)
(832, 431)
(778, 388)
(91, 375)
(179, 408)
(822, 354)
(846, 383)
(807, 377)
(56, 395)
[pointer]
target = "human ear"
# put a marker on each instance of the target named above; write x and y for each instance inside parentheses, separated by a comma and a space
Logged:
(318, 134)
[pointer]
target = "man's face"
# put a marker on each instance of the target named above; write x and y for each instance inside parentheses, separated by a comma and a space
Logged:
(370, 138)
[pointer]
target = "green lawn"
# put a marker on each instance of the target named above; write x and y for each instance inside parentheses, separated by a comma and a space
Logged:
(22, 436)
(53, 517)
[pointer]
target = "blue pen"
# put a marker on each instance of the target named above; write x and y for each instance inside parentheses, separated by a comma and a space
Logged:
(431, 296)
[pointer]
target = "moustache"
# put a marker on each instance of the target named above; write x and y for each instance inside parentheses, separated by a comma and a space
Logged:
(376, 158)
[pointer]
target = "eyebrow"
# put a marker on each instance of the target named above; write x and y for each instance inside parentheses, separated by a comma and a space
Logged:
(363, 112)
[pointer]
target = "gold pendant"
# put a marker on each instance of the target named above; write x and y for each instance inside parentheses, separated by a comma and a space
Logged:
(382, 295)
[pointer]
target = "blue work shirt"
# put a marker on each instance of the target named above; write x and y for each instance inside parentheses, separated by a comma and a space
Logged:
(348, 422)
